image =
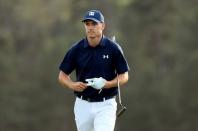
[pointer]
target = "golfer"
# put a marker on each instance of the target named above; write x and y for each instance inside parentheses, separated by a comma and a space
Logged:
(96, 60)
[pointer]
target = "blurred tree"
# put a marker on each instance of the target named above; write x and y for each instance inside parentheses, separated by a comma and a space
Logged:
(158, 39)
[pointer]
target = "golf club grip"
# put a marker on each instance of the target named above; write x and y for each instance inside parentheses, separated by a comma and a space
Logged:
(121, 112)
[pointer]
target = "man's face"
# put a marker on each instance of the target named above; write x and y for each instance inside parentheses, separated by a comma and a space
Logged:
(93, 29)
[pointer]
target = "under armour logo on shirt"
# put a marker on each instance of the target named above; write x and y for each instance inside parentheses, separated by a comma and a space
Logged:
(91, 13)
(105, 56)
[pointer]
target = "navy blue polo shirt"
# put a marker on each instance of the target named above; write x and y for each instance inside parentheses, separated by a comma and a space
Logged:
(103, 60)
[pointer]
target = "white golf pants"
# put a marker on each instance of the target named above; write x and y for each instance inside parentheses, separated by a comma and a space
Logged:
(95, 116)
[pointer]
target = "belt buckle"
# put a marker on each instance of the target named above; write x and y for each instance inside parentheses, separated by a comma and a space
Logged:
(104, 99)
(88, 99)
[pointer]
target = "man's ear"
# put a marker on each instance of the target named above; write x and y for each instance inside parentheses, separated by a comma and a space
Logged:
(103, 26)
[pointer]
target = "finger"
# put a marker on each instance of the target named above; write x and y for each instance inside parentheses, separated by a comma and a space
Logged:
(82, 85)
(79, 88)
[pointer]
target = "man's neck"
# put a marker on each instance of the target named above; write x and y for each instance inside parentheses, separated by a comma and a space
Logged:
(94, 41)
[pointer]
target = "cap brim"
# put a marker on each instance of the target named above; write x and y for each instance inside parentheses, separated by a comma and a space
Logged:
(95, 20)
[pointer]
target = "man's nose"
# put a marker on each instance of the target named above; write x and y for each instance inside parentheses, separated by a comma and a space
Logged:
(90, 27)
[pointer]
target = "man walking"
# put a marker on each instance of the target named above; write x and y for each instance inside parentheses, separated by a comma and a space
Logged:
(97, 60)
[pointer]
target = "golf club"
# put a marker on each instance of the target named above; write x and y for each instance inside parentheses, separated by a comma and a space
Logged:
(122, 108)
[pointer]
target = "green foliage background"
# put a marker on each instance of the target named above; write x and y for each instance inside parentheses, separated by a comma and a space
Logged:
(159, 39)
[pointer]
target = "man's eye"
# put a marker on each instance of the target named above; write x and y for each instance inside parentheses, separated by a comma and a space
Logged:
(95, 23)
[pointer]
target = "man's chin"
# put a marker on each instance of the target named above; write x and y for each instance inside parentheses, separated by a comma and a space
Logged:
(92, 37)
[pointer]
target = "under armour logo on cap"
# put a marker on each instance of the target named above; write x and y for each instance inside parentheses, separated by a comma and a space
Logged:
(91, 13)
(94, 15)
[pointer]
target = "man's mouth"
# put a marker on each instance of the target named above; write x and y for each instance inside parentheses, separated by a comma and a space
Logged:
(91, 32)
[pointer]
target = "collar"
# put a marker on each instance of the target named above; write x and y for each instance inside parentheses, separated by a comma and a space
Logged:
(102, 42)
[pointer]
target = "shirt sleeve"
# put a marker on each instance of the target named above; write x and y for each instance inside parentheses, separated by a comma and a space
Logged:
(121, 64)
(68, 63)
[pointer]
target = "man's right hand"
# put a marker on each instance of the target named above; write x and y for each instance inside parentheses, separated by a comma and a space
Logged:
(66, 81)
(78, 86)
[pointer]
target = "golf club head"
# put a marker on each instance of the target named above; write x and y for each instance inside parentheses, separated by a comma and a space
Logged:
(121, 111)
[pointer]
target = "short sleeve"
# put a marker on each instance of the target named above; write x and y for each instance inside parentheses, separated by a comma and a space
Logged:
(68, 63)
(121, 64)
